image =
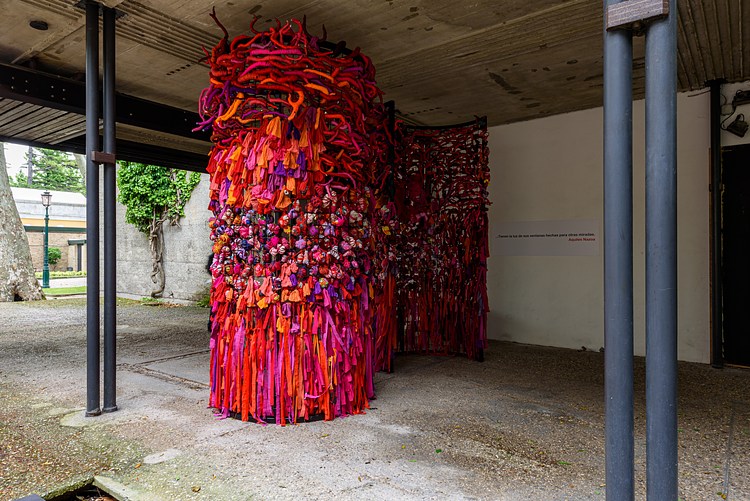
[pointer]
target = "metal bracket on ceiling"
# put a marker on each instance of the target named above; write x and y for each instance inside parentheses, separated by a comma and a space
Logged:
(100, 157)
(635, 14)
(81, 4)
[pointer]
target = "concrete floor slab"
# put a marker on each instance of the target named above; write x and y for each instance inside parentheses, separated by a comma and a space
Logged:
(525, 424)
(192, 367)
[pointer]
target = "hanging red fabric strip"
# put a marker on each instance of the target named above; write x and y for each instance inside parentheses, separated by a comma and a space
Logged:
(297, 134)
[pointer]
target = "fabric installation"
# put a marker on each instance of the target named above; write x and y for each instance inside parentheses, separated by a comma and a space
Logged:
(434, 299)
(320, 204)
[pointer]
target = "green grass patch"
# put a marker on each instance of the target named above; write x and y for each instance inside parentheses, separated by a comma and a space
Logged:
(203, 298)
(122, 301)
(64, 291)
(204, 301)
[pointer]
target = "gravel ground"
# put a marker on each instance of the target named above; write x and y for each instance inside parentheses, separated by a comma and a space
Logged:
(525, 424)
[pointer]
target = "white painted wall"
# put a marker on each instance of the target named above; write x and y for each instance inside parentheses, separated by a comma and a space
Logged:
(551, 169)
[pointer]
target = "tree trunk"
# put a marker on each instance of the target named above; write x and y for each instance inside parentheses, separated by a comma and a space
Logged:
(156, 245)
(17, 281)
(81, 164)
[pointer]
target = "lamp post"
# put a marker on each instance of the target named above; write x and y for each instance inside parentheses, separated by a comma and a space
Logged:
(46, 198)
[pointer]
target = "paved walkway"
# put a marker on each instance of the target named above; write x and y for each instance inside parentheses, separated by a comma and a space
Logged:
(525, 424)
(56, 283)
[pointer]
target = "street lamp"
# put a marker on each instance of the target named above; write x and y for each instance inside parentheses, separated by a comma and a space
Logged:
(46, 198)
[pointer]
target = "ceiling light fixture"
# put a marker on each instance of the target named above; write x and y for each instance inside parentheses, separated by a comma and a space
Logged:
(39, 25)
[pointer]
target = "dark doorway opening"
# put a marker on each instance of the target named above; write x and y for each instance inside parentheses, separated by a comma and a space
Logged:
(79, 252)
(735, 258)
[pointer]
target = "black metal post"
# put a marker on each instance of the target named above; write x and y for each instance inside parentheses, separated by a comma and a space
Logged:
(717, 329)
(618, 262)
(110, 242)
(45, 266)
(661, 257)
(92, 211)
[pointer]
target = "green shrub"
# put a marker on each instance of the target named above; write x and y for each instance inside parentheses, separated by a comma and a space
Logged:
(53, 255)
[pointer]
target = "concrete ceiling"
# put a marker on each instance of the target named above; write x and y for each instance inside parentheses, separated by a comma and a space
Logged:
(441, 61)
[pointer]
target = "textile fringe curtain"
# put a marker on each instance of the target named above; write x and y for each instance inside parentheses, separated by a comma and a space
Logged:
(298, 139)
(434, 297)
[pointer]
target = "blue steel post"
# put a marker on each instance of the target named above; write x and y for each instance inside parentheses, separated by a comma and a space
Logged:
(92, 211)
(110, 240)
(618, 262)
(661, 257)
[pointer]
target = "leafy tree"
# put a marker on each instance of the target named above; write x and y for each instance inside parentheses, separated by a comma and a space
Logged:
(53, 255)
(153, 195)
(52, 170)
(17, 279)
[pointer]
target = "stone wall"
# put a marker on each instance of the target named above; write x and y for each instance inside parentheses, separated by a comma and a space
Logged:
(186, 251)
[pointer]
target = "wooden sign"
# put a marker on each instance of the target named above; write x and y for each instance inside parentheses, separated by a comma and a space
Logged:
(625, 14)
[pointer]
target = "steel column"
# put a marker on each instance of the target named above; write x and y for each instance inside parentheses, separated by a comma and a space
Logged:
(618, 261)
(661, 257)
(717, 329)
(110, 240)
(92, 211)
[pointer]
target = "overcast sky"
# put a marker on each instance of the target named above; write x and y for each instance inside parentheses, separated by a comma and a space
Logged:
(15, 157)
